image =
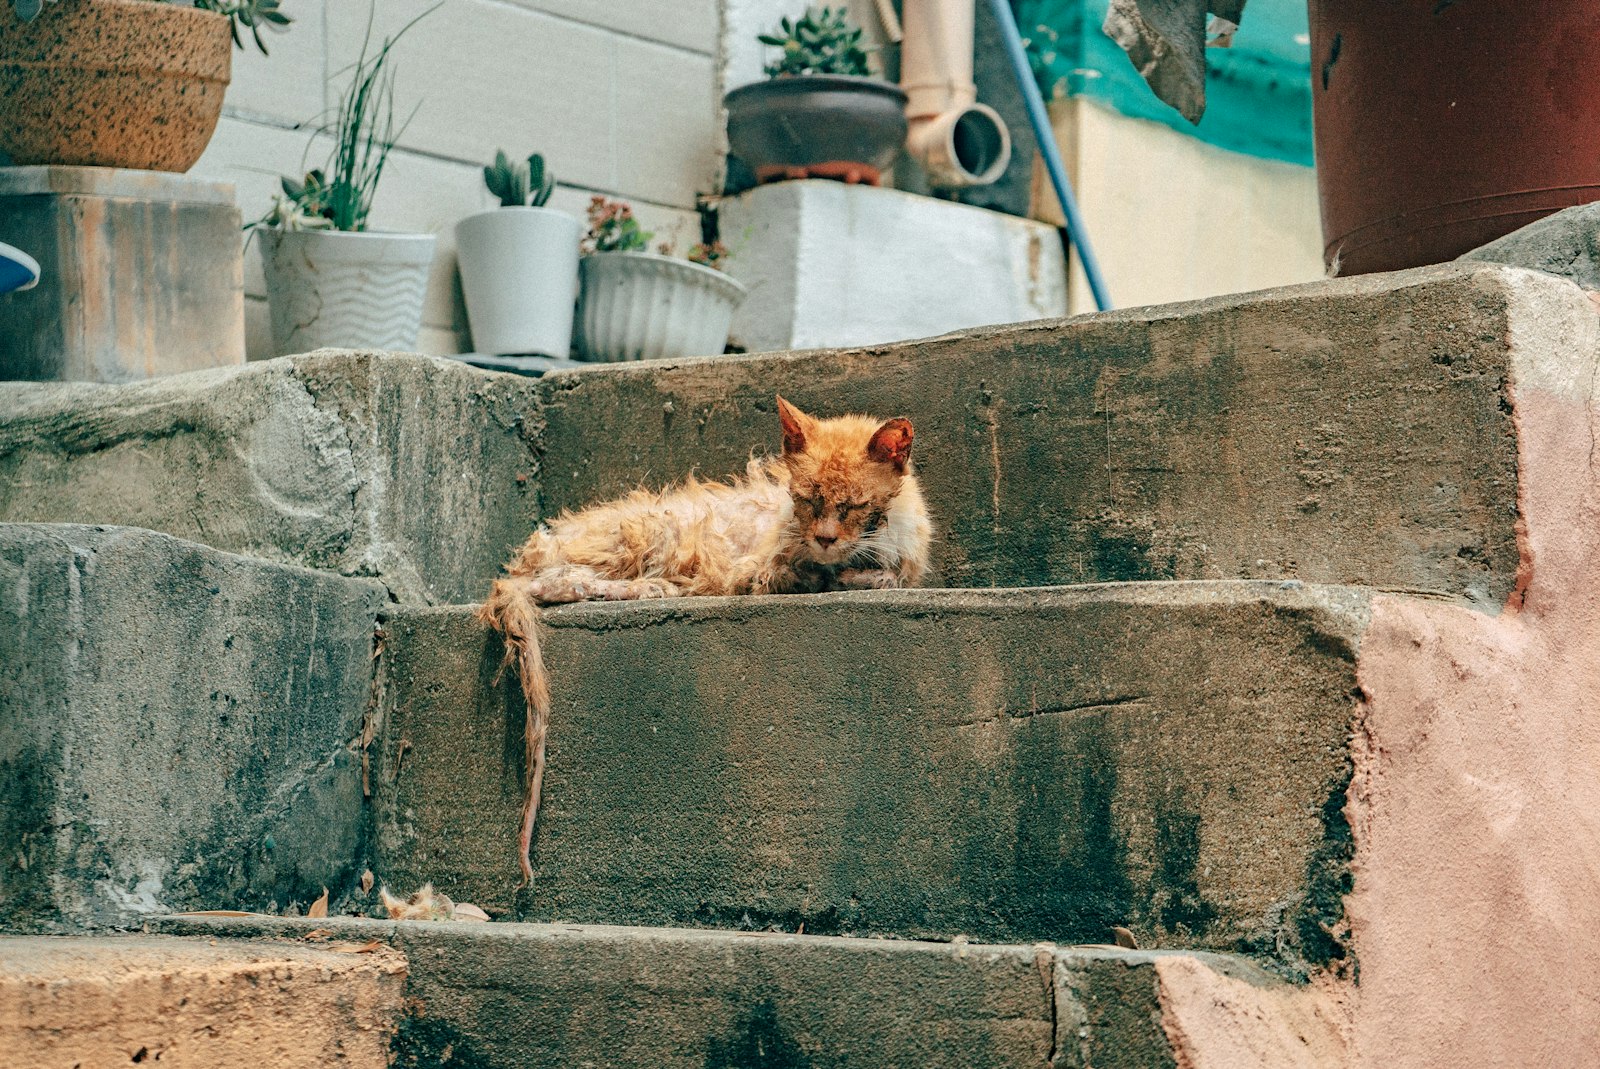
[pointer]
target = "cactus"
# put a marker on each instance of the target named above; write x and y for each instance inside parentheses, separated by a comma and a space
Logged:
(822, 41)
(519, 185)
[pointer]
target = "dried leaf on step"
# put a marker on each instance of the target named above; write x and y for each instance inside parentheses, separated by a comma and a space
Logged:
(319, 908)
(1125, 938)
(356, 948)
(466, 911)
(366, 882)
(319, 933)
(220, 913)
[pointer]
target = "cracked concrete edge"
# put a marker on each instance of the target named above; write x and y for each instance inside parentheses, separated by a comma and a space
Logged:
(108, 1000)
(118, 805)
(1104, 1006)
(311, 460)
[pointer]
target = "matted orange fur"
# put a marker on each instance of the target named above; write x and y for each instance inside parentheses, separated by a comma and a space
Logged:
(840, 509)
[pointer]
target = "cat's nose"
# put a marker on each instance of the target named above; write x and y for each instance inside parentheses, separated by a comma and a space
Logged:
(825, 540)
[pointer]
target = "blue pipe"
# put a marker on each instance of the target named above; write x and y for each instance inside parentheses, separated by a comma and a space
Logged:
(1039, 119)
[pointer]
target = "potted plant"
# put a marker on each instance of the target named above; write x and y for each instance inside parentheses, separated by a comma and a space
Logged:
(819, 114)
(119, 83)
(519, 264)
(1439, 126)
(640, 305)
(331, 281)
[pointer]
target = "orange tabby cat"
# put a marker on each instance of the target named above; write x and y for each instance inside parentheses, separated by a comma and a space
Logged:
(840, 509)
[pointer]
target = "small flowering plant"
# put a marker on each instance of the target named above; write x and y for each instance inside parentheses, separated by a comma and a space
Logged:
(612, 228)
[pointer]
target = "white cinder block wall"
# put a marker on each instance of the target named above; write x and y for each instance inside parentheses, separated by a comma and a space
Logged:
(622, 97)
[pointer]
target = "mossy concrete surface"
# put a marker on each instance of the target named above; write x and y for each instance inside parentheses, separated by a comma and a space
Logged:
(531, 996)
(412, 470)
(1355, 431)
(175, 726)
(1009, 765)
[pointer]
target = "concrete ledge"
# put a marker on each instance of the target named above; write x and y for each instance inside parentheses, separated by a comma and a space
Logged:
(159, 1000)
(1355, 431)
(531, 996)
(175, 726)
(1011, 765)
(415, 471)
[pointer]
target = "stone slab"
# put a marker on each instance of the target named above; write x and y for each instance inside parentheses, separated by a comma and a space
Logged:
(530, 996)
(1565, 244)
(415, 471)
(1357, 431)
(195, 1003)
(140, 275)
(175, 726)
(832, 264)
(1009, 765)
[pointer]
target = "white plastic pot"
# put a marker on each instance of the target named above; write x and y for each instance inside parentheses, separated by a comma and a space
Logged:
(640, 306)
(348, 291)
(519, 272)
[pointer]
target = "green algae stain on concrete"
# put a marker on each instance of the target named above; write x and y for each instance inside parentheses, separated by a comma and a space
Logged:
(757, 1041)
(1181, 907)
(1070, 861)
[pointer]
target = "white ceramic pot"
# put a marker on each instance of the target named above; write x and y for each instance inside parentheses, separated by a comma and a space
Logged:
(640, 306)
(519, 272)
(348, 291)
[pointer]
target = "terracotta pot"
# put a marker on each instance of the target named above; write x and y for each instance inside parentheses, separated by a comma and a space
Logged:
(112, 83)
(1443, 126)
(817, 125)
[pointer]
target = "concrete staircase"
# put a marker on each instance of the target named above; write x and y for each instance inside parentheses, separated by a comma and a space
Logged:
(1239, 611)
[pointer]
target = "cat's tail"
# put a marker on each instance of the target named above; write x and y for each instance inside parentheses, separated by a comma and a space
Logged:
(512, 610)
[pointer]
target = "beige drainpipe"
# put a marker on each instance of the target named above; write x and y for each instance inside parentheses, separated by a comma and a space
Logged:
(958, 141)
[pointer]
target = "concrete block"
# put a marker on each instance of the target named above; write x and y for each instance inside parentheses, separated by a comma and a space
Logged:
(554, 75)
(141, 275)
(691, 24)
(416, 471)
(1009, 765)
(289, 85)
(829, 264)
(534, 996)
(1565, 244)
(175, 726)
(1356, 431)
(162, 1000)
(666, 124)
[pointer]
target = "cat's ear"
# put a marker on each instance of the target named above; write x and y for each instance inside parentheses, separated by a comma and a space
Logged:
(795, 424)
(891, 443)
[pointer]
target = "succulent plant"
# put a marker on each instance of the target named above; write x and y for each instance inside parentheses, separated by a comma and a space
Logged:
(822, 41)
(519, 185)
(250, 14)
(612, 228)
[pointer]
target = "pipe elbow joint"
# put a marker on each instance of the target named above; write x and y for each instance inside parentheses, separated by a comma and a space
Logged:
(967, 145)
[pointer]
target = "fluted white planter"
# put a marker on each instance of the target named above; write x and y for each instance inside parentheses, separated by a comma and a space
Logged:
(519, 273)
(349, 291)
(640, 306)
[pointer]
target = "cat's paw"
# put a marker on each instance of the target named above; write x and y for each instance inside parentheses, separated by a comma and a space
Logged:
(868, 579)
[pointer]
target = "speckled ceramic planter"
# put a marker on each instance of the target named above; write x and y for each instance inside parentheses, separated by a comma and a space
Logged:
(112, 83)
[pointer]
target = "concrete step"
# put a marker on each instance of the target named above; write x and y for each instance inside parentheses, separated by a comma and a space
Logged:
(1359, 431)
(1008, 765)
(200, 1003)
(530, 996)
(176, 726)
(407, 469)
